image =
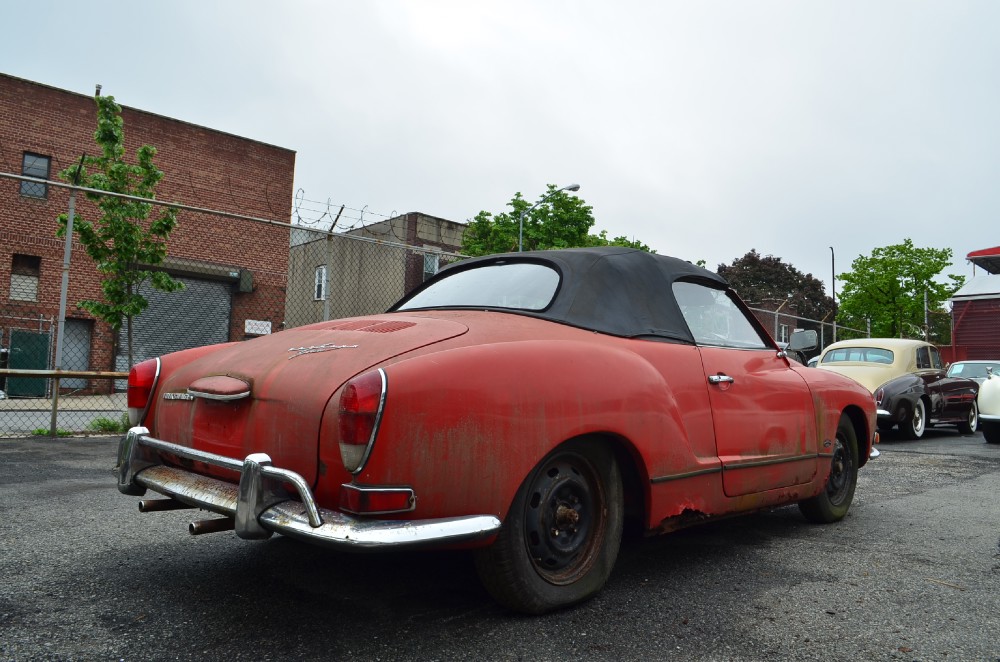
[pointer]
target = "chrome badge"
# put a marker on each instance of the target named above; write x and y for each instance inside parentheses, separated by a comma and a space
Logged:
(313, 349)
(178, 396)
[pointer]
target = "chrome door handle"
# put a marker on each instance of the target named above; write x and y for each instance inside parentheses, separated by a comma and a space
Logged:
(720, 379)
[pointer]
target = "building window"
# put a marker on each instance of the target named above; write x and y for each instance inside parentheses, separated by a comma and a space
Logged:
(432, 262)
(24, 273)
(783, 333)
(319, 289)
(35, 165)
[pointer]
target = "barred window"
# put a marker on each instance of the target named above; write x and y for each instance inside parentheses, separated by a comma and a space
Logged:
(319, 290)
(24, 274)
(35, 165)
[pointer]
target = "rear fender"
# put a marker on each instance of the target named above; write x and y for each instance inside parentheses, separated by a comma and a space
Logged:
(465, 426)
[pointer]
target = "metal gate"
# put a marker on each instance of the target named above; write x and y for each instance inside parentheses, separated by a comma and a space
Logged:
(29, 350)
(195, 316)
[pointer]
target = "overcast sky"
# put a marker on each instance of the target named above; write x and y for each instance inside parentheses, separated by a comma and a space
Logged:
(704, 129)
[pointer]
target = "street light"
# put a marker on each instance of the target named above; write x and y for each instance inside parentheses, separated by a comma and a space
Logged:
(833, 290)
(520, 224)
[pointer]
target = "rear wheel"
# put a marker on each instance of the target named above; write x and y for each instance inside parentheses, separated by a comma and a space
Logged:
(562, 534)
(991, 431)
(833, 502)
(913, 425)
(971, 423)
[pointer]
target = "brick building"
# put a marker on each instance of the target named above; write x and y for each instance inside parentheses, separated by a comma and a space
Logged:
(234, 270)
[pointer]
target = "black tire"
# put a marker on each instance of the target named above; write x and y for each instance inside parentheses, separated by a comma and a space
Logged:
(561, 537)
(971, 423)
(991, 432)
(832, 504)
(913, 426)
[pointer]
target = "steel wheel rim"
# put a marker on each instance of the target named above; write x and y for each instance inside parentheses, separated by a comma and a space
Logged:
(973, 416)
(839, 483)
(565, 519)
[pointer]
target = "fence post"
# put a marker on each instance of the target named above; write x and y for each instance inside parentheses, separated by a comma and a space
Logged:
(64, 288)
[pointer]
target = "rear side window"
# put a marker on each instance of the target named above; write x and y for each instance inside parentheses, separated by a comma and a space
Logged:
(517, 285)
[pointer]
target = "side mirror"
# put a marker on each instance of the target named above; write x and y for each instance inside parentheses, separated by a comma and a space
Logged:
(803, 340)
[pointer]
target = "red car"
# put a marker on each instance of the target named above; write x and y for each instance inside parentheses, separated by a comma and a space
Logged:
(524, 405)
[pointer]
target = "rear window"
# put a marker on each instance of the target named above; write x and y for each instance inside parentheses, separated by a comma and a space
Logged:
(858, 355)
(518, 286)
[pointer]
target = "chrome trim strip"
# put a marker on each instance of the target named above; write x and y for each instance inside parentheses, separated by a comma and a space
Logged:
(883, 412)
(261, 507)
(726, 466)
(689, 474)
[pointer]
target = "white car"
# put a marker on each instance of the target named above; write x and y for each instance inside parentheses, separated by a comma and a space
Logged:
(989, 407)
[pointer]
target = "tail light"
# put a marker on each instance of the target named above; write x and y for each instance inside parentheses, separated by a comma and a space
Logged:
(879, 396)
(141, 382)
(361, 404)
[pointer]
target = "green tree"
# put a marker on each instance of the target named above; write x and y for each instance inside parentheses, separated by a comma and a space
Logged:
(562, 221)
(888, 287)
(767, 280)
(123, 242)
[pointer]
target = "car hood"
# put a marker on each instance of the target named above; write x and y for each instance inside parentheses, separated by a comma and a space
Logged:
(291, 377)
(869, 375)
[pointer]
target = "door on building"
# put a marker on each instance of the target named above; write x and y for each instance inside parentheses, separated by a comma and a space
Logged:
(195, 316)
(29, 350)
(76, 351)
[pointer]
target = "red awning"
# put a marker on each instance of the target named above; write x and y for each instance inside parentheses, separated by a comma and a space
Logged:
(987, 259)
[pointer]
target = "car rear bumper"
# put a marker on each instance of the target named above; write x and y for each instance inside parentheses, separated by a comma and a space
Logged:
(261, 504)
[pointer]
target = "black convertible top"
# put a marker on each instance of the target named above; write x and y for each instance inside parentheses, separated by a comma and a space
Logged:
(610, 289)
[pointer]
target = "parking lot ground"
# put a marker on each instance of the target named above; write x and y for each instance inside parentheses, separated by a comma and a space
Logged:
(911, 574)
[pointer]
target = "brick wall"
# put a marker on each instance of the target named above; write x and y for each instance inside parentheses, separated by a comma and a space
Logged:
(203, 168)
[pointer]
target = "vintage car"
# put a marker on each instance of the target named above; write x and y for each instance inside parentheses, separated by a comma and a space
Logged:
(523, 405)
(908, 380)
(989, 406)
(976, 370)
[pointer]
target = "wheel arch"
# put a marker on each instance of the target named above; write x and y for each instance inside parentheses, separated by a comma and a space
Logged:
(861, 432)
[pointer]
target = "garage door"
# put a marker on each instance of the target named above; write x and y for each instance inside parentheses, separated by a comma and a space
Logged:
(195, 316)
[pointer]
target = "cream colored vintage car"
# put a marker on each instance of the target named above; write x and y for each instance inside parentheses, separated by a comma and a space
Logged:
(989, 407)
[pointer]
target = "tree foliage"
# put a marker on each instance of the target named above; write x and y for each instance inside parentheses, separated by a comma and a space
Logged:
(767, 281)
(888, 288)
(561, 221)
(123, 243)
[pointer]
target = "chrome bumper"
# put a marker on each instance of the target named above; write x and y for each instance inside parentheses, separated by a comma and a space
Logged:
(261, 506)
(989, 418)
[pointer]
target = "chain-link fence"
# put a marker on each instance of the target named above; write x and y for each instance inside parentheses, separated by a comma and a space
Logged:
(782, 325)
(256, 278)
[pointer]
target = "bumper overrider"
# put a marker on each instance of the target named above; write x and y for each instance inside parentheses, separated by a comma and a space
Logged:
(261, 504)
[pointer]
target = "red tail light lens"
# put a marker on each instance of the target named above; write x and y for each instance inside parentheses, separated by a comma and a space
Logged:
(361, 403)
(141, 382)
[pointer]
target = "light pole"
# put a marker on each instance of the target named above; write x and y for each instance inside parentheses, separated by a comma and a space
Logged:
(833, 289)
(520, 224)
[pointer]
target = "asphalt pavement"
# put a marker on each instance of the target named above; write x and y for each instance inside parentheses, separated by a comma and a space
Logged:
(911, 574)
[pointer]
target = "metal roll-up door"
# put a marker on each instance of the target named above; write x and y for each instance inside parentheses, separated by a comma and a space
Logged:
(195, 316)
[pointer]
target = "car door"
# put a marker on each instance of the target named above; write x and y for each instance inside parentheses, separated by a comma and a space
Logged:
(762, 410)
(950, 397)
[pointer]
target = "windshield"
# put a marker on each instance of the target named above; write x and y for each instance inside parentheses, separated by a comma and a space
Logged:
(518, 285)
(972, 370)
(859, 355)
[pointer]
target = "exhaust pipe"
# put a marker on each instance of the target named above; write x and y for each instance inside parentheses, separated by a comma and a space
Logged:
(155, 505)
(199, 527)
